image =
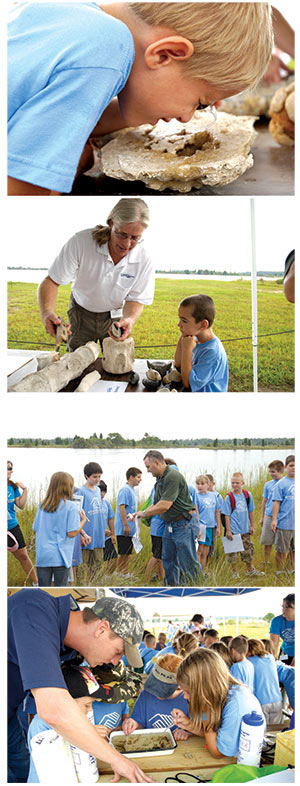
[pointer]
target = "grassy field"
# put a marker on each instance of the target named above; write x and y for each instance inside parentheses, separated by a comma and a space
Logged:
(219, 573)
(156, 331)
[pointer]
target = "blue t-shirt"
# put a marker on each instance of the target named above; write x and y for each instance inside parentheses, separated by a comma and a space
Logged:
(154, 713)
(209, 372)
(108, 514)
(268, 495)
(286, 675)
(284, 492)
(243, 670)
(37, 626)
(94, 511)
(157, 524)
(266, 685)
(285, 629)
(109, 715)
(52, 545)
(65, 64)
(207, 504)
(239, 702)
(239, 519)
(12, 495)
(127, 496)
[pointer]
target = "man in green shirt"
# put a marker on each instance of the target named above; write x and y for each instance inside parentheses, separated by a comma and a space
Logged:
(173, 503)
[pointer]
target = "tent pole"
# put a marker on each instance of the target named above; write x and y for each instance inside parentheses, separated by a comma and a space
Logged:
(254, 294)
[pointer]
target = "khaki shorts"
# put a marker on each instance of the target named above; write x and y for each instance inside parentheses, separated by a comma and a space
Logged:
(267, 537)
(247, 554)
(284, 540)
(86, 325)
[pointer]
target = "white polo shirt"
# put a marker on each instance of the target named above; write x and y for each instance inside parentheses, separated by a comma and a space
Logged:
(98, 284)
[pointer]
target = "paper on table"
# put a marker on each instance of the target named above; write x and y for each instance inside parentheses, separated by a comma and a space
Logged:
(230, 546)
(108, 386)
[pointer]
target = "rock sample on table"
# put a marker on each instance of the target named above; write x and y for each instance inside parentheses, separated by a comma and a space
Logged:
(253, 102)
(282, 111)
(57, 375)
(181, 156)
(118, 356)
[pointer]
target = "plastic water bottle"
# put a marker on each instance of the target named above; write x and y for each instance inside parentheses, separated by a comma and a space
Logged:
(85, 764)
(52, 758)
(251, 739)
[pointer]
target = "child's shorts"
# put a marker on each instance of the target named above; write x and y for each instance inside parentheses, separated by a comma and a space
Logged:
(208, 539)
(156, 541)
(213, 541)
(284, 540)
(124, 544)
(247, 554)
(109, 550)
(17, 532)
(267, 537)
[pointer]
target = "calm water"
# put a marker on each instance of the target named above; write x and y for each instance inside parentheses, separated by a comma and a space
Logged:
(34, 466)
(36, 276)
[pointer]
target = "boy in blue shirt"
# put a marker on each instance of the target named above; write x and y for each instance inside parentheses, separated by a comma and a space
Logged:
(241, 668)
(283, 516)
(200, 355)
(92, 553)
(238, 510)
(267, 539)
(125, 528)
(85, 70)
(207, 509)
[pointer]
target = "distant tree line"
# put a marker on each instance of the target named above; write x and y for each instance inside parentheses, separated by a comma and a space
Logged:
(115, 440)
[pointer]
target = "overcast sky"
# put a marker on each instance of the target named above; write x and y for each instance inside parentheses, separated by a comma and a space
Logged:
(184, 232)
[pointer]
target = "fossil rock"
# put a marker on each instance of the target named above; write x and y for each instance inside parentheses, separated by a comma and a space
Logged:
(282, 111)
(151, 384)
(253, 102)
(172, 376)
(46, 359)
(181, 156)
(118, 356)
(87, 382)
(61, 333)
(116, 331)
(162, 366)
(154, 375)
(55, 376)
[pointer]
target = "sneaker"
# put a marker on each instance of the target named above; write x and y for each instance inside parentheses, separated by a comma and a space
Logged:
(255, 572)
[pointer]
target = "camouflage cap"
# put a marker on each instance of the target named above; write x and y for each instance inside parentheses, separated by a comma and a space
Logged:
(126, 622)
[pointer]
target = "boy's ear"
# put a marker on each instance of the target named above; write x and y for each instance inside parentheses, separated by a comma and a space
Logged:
(165, 50)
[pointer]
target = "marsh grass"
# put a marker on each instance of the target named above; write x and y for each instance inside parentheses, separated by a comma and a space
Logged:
(218, 574)
(157, 329)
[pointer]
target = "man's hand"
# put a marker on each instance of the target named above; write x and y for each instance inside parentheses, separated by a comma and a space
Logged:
(126, 324)
(131, 771)
(51, 321)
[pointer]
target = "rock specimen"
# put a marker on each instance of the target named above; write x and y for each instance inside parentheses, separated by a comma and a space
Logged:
(153, 374)
(55, 376)
(61, 333)
(172, 376)
(282, 111)
(87, 382)
(46, 359)
(253, 102)
(182, 156)
(118, 356)
(162, 366)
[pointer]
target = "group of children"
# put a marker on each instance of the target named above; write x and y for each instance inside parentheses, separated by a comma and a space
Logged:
(198, 686)
(75, 525)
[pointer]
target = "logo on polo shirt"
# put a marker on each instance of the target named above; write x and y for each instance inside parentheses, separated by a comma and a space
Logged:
(126, 275)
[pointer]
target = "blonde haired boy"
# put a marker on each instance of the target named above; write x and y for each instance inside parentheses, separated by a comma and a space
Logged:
(238, 508)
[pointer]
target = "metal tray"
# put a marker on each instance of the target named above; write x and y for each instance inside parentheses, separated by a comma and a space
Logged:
(142, 732)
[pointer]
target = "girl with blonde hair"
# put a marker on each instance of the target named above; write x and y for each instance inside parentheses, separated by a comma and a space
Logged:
(184, 644)
(160, 695)
(217, 702)
(266, 682)
(57, 522)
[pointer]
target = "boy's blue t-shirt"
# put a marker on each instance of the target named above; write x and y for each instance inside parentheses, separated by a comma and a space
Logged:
(268, 495)
(285, 629)
(95, 524)
(109, 715)
(108, 514)
(157, 524)
(207, 504)
(154, 713)
(12, 495)
(284, 492)
(127, 496)
(243, 671)
(286, 675)
(239, 702)
(209, 372)
(239, 519)
(52, 545)
(266, 685)
(37, 625)
(65, 64)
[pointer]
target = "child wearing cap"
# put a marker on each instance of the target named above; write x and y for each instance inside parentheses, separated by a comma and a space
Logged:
(158, 698)
(82, 686)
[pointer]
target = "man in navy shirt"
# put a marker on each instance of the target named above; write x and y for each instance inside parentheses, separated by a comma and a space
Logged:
(44, 631)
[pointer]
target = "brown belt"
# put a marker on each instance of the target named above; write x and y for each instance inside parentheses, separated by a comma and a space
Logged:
(179, 518)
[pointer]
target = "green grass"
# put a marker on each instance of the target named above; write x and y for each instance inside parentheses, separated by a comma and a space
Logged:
(158, 326)
(219, 573)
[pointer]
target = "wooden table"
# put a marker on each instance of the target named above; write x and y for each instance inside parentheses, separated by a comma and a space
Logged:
(272, 174)
(189, 756)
